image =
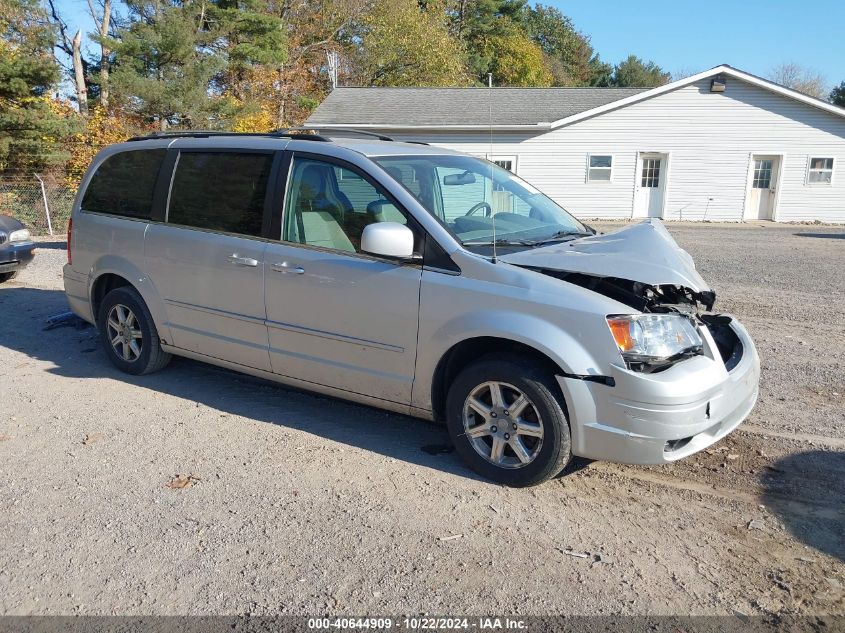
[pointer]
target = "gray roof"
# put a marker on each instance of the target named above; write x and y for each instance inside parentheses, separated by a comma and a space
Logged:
(414, 107)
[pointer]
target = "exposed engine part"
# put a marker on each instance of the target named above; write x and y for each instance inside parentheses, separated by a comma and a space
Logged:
(640, 296)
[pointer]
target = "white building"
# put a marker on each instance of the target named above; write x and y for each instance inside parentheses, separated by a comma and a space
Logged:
(720, 145)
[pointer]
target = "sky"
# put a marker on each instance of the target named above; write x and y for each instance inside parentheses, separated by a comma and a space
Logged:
(694, 35)
(686, 36)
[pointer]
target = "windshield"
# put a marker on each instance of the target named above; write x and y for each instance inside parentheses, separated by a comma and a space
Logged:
(468, 195)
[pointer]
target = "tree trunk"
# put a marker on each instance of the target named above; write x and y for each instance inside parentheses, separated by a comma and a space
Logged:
(104, 54)
(282, 96)
(79, 75)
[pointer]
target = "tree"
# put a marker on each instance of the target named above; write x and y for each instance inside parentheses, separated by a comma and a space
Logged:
(837, 95)
(175, 61)
(72, 47)
(634, 72)
(102, 20)
(250, 36)
(285, 96)
(474, 23)
(569, 52)
(31, 122)
(519, 62)
(601, 72)
(164, 65)
(796, 77)
(403, 45)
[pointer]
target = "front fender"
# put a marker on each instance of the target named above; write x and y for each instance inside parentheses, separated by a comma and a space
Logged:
(563, 321)
(564, 348)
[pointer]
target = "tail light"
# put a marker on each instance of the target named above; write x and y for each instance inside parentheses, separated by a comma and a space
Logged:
(69, 233)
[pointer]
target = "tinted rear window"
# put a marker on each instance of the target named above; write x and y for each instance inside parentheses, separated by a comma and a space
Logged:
(124, 184)
(220, 191)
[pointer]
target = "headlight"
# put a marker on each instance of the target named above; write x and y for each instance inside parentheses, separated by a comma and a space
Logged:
(654, 339)
(21, 235)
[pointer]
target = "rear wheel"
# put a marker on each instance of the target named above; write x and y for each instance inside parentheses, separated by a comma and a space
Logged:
(129, 334)
(506, 420)
(8, 276)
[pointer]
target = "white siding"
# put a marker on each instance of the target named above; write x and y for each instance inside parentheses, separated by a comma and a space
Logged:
(709, 137)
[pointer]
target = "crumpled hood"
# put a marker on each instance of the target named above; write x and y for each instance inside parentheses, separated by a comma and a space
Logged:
(643, 252)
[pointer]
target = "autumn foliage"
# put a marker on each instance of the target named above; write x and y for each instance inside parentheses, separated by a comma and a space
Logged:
(255, 65)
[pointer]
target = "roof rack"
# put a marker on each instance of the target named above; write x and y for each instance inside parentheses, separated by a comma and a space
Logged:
(348, 130)
(300, 133)
(293, 134)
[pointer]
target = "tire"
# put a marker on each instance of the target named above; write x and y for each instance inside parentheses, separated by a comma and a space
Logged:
(146, 356)
(544, 410)
(8, 276)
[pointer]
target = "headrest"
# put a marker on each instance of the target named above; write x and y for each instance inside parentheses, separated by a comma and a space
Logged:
(315, 179)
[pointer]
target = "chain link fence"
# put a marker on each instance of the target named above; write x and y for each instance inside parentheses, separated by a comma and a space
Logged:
(41, 205)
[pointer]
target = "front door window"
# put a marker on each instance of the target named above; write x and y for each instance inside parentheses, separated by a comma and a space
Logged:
(329, 206)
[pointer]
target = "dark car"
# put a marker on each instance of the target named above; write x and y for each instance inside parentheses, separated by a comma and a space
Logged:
(16, 247)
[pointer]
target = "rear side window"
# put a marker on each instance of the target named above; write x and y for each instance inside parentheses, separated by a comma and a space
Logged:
(124, 184)
(220, 191)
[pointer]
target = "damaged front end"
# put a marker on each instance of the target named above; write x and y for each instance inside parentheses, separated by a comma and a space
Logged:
(664, 299)
(641, 266)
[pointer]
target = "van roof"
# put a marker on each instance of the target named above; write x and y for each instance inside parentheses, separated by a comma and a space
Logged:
(367, 144)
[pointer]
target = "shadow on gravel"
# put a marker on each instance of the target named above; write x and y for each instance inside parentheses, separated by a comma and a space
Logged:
(78, 354)
(807, 492)
(830, 236)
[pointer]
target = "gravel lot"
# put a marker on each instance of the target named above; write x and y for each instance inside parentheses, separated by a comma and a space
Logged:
(306, 505)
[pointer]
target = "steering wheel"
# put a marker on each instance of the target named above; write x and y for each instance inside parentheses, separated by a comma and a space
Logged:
(478, 206)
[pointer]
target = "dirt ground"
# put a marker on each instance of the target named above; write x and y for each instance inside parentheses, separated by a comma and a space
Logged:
(305, 505)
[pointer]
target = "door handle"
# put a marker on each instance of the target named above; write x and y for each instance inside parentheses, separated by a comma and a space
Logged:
(242, 261)
(287, 267)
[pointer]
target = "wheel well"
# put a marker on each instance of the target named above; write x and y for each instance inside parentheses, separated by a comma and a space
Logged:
(103, 285)
(465, 352)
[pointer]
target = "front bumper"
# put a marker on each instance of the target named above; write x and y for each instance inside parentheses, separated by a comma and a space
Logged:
(662, 417)
(15, 255)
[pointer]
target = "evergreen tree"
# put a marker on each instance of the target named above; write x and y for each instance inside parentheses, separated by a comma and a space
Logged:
(175, 59)
(837, 95)
(635, 72)
(31, 124)
(601, 73)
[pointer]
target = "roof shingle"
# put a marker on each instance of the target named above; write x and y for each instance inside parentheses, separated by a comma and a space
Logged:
(395, 107)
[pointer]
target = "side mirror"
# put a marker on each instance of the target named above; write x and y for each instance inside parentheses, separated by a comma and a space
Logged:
(388, 239)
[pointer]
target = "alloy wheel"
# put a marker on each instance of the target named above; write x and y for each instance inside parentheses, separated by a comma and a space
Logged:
(124, 333)
(503, 425)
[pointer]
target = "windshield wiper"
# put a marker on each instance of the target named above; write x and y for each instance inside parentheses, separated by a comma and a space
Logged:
(561, 235)
(501, 242)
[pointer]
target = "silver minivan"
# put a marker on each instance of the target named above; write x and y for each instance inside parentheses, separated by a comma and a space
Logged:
(414, 279)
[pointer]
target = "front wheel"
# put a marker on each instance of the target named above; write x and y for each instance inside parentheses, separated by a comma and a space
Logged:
(8, 276)
(506, 420)
(129, 334)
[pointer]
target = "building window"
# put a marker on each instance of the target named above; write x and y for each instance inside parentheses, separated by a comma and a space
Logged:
(505, 162)
(599, 167)
(820, 171)
(651, 173)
